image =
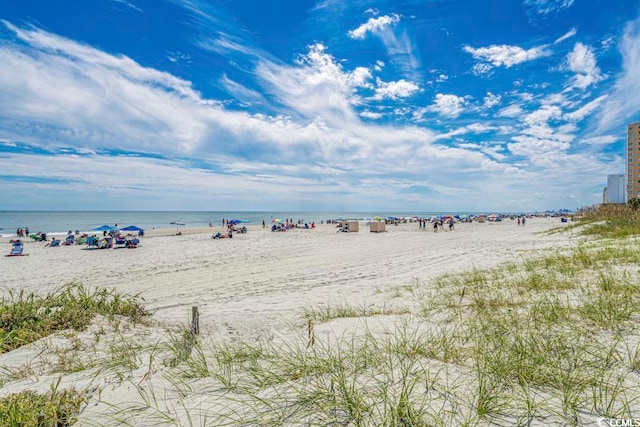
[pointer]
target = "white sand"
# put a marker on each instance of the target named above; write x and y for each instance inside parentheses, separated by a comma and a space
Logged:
(259, 283)
(257, 279)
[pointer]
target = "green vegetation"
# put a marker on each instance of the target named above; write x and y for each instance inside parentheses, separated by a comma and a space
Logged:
(612, 221)
(27, 317)
(52, 409)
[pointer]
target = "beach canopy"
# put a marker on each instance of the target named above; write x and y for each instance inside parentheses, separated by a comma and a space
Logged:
(132, 228)
(104, 228)
(238, 221)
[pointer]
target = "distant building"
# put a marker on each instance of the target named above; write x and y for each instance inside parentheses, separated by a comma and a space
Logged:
(615, 191)
(633, 160)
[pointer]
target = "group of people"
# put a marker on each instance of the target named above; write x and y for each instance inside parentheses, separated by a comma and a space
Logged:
(521, 221)
(438, 224)
(22, 232)
(289, 225)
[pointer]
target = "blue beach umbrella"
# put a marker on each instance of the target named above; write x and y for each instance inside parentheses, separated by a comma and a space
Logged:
(132, 228)
(104, 228)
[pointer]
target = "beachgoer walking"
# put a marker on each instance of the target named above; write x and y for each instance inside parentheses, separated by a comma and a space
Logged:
(264, 225)
(435, 226)
(26, 231)
(523, 221)
(518, 221)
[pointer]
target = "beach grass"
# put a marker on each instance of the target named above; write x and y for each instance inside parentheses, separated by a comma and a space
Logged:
(611, 221)
(27, 317)
(30, 409)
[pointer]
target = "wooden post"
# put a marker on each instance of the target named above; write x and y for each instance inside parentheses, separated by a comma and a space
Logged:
(195, 320)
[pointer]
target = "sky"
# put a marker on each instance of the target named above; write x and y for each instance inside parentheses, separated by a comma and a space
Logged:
(359, 105)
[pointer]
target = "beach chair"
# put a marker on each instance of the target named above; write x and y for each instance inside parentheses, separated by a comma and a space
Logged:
(17, 249)
(92, 242)
(120, 242)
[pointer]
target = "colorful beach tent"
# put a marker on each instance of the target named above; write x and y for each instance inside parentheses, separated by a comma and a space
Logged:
(104, 228)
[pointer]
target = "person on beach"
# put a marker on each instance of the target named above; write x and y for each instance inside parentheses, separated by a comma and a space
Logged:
(435, 226)
(263, 224)
(523, 221)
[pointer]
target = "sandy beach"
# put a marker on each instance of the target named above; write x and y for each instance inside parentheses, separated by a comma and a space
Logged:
(259, 279)
(255, 285)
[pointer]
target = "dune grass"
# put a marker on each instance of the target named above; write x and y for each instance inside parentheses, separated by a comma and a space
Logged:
(52, 409)
(27, 317)
(611, 221)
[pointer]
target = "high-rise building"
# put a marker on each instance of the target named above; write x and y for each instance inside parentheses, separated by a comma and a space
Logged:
(633, 160)
(615, 189)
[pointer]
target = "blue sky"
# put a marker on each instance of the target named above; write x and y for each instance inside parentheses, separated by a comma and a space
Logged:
(431, 105)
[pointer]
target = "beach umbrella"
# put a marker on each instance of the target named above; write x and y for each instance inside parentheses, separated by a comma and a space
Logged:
(177, 224)
(377, 218)
(104, 228)
(132, 228)
(276, 220)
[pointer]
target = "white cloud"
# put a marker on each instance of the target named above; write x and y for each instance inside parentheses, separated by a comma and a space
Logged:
(513, 110)
(536, 148)
(398, 45)
(543, 115)
(572, 32)
(582, 61)
(585, 110)
(442, 78)
(129, 4)
(624, 100)
(448, 105)
(607, 42)
(374, 25)
(545, 7)
(601, 140)
(395, 90)
(482, 69)
(491, 100)
(506, 55)
(371, 115)
(317, 86)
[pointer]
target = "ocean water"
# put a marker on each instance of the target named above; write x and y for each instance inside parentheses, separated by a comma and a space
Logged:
(59, 222)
